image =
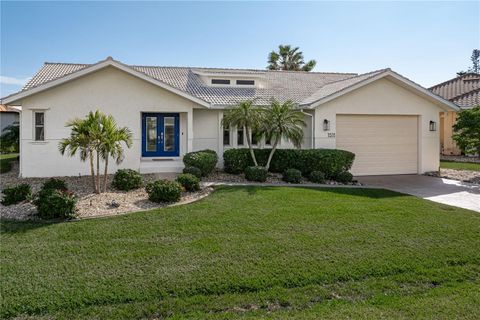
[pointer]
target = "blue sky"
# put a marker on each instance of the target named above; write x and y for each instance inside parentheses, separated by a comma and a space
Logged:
(426, 41)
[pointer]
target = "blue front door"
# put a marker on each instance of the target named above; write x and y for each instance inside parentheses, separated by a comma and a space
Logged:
(160, 135)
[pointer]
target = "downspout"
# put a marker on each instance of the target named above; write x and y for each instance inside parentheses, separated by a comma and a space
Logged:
(312, 138)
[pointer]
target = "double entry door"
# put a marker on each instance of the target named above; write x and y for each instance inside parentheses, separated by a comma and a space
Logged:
(160, 135)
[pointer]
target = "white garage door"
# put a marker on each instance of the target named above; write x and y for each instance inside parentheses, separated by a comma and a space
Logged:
(382, 144)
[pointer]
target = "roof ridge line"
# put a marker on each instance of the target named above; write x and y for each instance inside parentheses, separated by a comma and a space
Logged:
(453, 79)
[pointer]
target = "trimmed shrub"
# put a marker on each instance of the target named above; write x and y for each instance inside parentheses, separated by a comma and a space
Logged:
(189, 181)
(55, 204)
(164, 191)
(205, 160)
(16, 194)
(292, 176)
(57, 184)
(317, 177)
(344, 177)
(329, 161)
(258, 174)
(127, 179)
(194, 171)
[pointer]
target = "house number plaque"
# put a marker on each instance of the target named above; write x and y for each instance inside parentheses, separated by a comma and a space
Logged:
(331, 134)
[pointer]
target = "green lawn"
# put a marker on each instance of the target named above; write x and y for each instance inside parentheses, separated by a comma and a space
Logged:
(249, 252)
(460, 165)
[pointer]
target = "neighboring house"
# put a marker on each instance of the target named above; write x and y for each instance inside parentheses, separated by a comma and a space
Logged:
(464, 91)
(385, 119)
(8, 116)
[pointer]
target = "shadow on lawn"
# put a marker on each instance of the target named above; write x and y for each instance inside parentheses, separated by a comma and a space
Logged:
(372, 193)
(13, 227)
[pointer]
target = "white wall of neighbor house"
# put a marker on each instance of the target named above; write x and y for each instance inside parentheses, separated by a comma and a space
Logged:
(384, 97)
(113, 92)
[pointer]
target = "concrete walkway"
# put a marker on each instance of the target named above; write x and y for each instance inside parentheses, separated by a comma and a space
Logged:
(446, 191)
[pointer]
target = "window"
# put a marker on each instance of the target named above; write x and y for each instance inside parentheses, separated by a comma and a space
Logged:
(240, 136)
(220, 81)
(39, 129)
(245, 82)
(255, 138)
(226, 136)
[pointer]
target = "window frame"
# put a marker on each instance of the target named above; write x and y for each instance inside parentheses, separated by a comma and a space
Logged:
(245, 82)
(220, 82)
(35, 126)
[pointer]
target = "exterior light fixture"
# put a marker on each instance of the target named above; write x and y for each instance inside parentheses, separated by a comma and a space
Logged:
(326, 125)
(433, 126)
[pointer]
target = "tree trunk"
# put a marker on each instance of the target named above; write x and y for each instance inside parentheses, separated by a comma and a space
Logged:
(98, 173)
(270, 156)
(249, 142)
(105, 175)
(92, 171)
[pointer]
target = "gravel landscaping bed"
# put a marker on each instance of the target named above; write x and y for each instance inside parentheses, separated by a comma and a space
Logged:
(460, 175)
(273, 178)
(90, 204)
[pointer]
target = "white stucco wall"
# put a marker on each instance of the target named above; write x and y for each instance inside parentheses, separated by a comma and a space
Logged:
(113, 92)
(384, 97)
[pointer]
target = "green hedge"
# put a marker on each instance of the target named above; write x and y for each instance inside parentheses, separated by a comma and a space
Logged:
(258, 174)
(205, 160)
(329, 161)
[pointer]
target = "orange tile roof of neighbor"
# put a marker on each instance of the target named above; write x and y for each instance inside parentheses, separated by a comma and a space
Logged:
(463, 90)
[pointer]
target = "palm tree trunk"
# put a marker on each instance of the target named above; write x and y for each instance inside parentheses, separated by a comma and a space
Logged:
(98, 173)
(249, 142)
(92, 171)
(105, 175)
(270, 156)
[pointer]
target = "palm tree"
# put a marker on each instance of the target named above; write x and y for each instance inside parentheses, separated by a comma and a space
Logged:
(111, 143)
(81, 140)
(244, 115)
(288, 58)
(10, 138)
(283, 121)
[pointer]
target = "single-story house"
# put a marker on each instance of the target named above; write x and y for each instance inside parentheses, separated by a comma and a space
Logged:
(8, 117)
(464, 91)
(387, 120)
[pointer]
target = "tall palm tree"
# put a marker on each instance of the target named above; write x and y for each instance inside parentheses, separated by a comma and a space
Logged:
(244, 115)
(111, 143)
(283, 120)
(288, 58)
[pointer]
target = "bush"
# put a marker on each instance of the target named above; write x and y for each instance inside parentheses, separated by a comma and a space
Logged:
(189, 182)
(164, 191)
(329, 161)
(127, 179)
(205, 160)
(57, 184)
(317, 177)
(55, 204)
(292, 176)
(258, 174)
(344, 177)
(194, 171)
(16, 194)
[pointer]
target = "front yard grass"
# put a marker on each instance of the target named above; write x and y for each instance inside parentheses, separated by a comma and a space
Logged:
(251, 252)
(460, 165)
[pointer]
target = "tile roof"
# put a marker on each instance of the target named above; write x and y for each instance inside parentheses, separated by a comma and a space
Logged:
(463, 90)
(283, 85)
(4, 108)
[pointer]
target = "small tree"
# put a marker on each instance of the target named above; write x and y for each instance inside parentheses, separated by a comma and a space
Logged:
(95, 138)
(467, 131)
(111, 142)
(283, 120)
(10, 138)
(475, 68)
(244, 115)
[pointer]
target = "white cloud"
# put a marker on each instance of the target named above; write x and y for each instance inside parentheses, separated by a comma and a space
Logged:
(12, 80)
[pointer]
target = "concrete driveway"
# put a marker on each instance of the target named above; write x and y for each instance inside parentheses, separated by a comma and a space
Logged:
(446, 191)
